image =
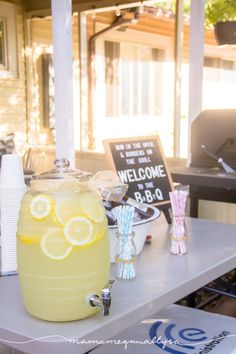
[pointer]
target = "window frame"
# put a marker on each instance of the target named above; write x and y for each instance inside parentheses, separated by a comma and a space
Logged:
(3, 65)
(10, 69)
(219, 68)
(143, 38)
(134, 66)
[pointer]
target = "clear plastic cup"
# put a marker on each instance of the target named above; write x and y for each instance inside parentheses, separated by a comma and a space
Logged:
(12, 174)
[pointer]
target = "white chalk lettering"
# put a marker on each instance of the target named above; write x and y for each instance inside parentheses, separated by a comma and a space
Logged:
(132, 175)
(159, 194)
(138, 197)
(122, 175)
(161, 170)
(149, 185)
(134, 153)
(130, 161)
(148, 144)
(158, 171)
(148, 195)
(119, 147)
(149, 173)
(149, 151)
(144, 159)
(137, 145)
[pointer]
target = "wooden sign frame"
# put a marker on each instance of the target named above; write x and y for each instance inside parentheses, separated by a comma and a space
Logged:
(132, 140)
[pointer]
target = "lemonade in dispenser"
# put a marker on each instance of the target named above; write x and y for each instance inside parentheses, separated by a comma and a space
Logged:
(62, 246)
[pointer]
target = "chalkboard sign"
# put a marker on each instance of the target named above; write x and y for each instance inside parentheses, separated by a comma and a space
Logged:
(140, 163)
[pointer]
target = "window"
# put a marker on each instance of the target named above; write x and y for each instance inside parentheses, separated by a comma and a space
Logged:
(229, 70)
(130, 87)
(133, 87)
(8, 46)
(211, 69)
(133, 78)
(219, 78)
(218, 69)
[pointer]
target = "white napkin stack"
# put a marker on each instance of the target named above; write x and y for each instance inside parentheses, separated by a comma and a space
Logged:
(12, 189)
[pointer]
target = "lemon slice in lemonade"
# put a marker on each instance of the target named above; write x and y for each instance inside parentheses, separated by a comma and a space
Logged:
(92, 206)
(65, 209)
(41, 206)
(28, 240)
(79, 231)
(54, 245)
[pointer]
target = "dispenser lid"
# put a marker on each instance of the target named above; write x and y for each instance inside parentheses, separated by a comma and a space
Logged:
(62, 171)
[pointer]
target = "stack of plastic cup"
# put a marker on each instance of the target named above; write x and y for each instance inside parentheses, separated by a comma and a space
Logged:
(12, 189)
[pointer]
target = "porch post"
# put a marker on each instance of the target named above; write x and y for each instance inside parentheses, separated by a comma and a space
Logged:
(196, 59)
(178, 78)
(63, 78)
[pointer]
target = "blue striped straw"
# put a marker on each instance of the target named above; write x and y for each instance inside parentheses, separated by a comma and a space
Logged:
(124, 215)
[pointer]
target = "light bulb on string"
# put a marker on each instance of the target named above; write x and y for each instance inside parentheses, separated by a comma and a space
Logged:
(159, 12)
(118, 12)
(168, 3)
(93, 14)
(141, 8)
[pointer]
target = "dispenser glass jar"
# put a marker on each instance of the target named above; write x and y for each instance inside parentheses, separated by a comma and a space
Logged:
(62, 245)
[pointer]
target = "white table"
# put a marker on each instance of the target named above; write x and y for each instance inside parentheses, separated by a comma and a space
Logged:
(161, 280)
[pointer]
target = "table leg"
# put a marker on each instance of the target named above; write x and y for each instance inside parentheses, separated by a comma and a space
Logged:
(193, 206)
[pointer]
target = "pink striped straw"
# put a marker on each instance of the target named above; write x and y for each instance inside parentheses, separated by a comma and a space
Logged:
(178, 202)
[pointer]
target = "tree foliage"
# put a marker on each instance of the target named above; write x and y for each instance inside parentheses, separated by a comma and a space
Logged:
(216, 10)
(220, 11)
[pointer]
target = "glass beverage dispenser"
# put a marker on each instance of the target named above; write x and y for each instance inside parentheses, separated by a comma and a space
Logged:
(62, 246)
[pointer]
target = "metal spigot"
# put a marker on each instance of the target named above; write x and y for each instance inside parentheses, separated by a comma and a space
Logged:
(106, 297)
(103, 301)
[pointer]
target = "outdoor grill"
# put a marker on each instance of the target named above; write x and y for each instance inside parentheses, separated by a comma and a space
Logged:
(215, 129)
(212, 171)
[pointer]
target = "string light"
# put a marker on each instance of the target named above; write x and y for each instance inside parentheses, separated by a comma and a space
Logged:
(118, 12)
(160, 12)
(141, 8)
(168, 2)
(93, 14)
(168, 13)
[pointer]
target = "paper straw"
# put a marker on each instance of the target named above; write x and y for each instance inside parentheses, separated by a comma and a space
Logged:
(177, 241)
(125, 263)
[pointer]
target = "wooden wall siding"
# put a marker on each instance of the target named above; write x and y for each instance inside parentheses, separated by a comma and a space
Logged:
(41, 42)
(13, 93)
(219, 211)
